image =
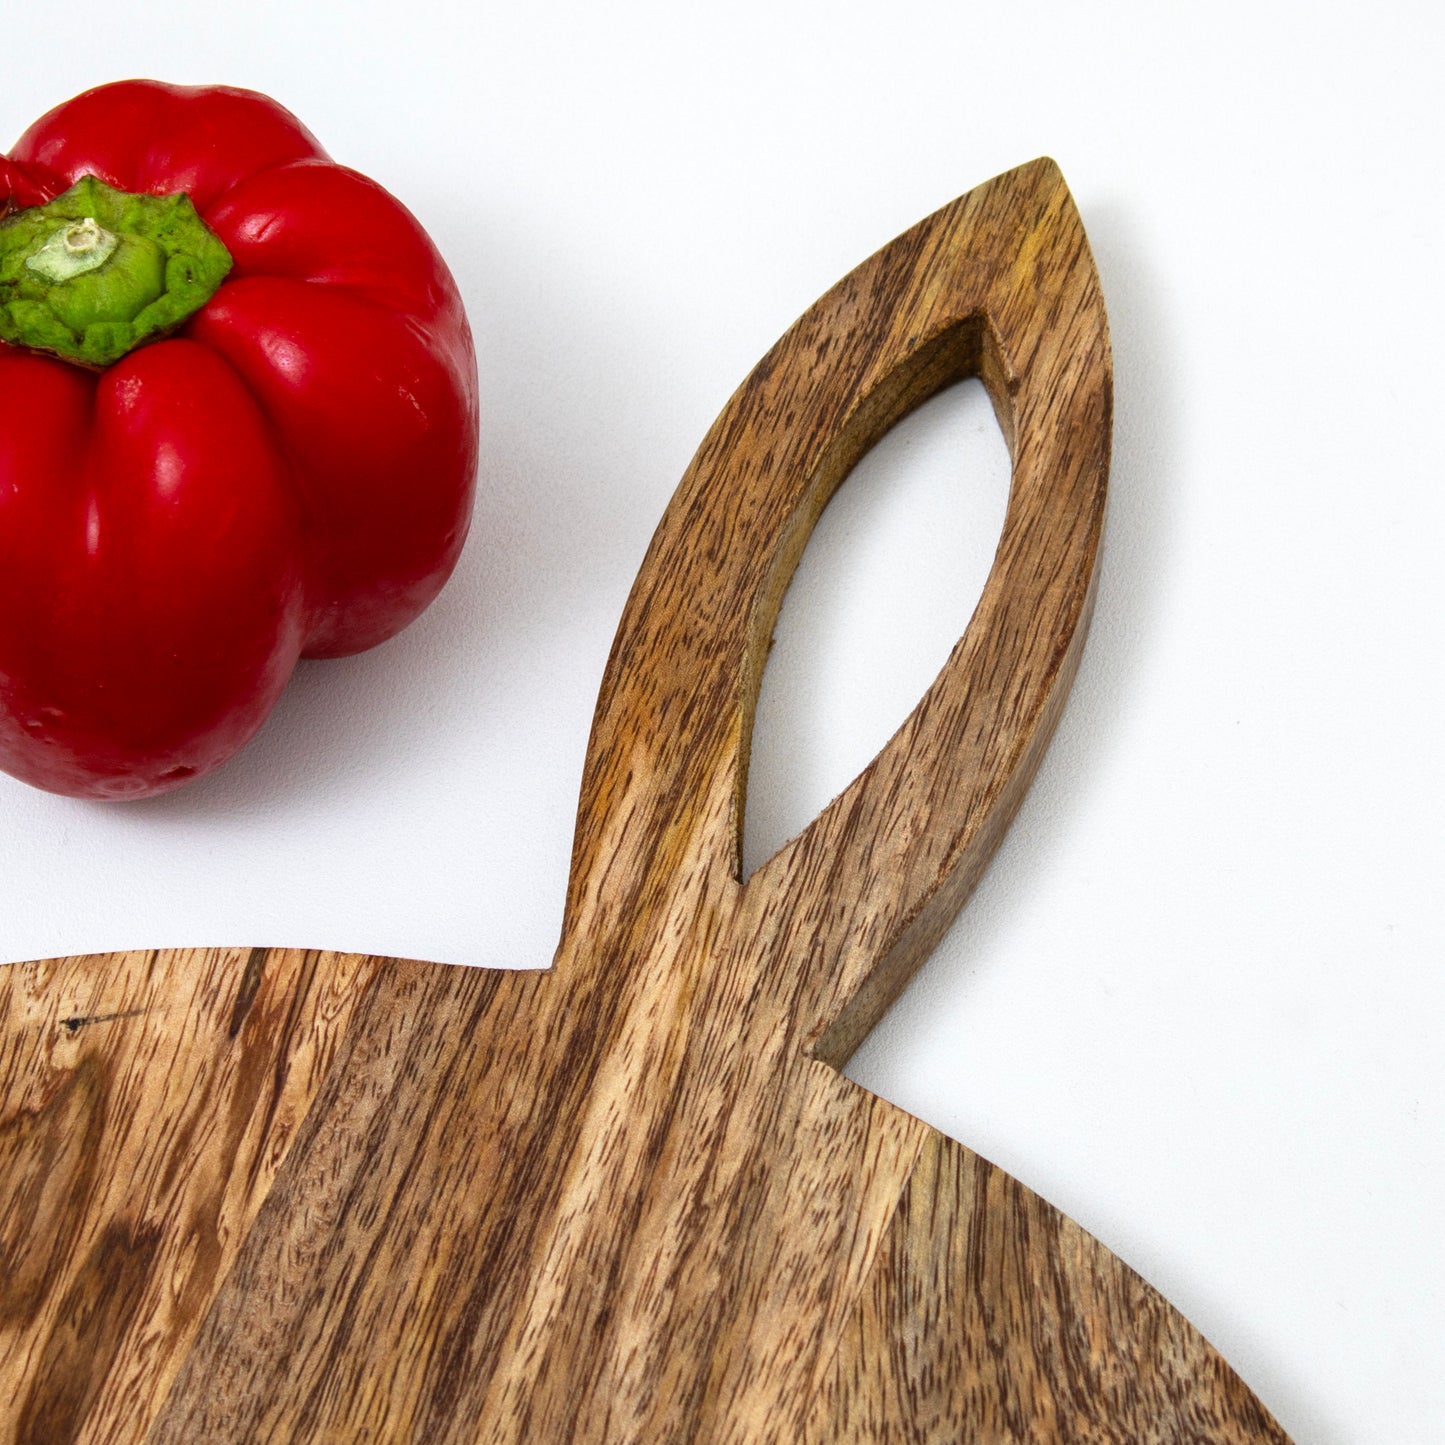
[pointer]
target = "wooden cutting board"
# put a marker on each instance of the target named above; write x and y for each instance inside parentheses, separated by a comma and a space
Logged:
(270, 1195)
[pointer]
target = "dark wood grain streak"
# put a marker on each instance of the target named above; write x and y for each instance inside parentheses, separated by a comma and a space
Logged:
(247, 990)
(631, 1198)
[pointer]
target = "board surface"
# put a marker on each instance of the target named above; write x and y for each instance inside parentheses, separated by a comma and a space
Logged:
(272, 1195)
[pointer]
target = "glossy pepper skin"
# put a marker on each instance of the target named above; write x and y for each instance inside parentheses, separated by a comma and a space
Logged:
(289, 473)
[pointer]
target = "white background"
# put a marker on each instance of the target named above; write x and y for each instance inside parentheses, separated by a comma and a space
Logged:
(1198, 1000)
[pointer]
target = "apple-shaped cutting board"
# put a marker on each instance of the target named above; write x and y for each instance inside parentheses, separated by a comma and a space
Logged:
(272, 1195)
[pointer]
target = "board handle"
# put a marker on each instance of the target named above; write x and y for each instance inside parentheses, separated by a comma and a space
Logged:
(1001, 285)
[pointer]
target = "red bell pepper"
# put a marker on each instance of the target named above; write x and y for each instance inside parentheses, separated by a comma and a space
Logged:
(238, 426)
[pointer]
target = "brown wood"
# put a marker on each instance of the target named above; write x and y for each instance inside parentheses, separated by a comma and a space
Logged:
(148, 1100)
(280, 1196)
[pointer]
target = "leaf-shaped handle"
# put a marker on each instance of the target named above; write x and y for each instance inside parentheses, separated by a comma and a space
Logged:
(998, 284)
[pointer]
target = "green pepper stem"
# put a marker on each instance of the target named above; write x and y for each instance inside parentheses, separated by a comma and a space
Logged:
(72, 251)
(97, 271)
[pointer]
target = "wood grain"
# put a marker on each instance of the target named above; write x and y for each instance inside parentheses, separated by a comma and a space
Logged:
(149, 1100)
(631, 1198)
(987, 1304)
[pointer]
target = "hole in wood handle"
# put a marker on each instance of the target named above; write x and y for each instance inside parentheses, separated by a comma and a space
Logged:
(902, 552)
(966, 350)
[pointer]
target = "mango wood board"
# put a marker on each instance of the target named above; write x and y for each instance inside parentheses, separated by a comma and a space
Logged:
(270, 1195)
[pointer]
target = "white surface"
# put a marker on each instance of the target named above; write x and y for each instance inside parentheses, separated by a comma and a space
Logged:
(1198, 1000)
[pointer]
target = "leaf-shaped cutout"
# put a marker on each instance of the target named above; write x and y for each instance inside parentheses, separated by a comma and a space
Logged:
(885, 588)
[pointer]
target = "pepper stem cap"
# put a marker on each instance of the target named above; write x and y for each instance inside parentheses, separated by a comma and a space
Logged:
(98, 271)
